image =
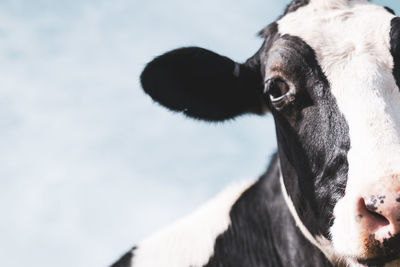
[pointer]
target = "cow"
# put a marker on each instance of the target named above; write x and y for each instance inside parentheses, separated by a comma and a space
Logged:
(329, 73)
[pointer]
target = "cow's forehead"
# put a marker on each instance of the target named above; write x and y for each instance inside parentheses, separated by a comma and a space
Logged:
(341, 30)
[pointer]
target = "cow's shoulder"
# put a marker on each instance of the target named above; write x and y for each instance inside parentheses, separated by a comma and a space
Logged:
(190, 241)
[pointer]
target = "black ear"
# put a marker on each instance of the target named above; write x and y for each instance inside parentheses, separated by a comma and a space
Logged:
(203, 84)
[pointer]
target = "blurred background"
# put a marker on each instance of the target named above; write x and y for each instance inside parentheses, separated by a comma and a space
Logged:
(89, 165)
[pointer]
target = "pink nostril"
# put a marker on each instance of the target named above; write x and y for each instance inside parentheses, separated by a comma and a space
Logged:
(373, 219)
(371, 210)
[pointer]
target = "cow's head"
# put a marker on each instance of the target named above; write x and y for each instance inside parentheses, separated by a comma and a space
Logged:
(329, 72)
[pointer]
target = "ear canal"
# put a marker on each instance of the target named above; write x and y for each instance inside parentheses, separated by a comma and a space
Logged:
(203, 84)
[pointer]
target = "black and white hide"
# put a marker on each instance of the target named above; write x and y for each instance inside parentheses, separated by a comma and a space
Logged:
(329, 74)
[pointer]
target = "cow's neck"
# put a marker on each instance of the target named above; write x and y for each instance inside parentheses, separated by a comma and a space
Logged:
(263, 229)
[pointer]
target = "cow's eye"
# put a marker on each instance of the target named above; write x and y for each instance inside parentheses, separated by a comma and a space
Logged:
(278, 91)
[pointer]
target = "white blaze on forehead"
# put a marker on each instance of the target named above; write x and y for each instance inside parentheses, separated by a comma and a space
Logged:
(352, 44)
(351, 40)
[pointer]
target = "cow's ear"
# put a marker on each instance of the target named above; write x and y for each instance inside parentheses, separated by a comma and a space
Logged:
(204, 85)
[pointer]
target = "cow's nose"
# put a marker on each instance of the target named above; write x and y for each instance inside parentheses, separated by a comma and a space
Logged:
(379, 214)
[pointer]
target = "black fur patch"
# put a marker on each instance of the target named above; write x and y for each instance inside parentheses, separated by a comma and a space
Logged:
(390, 10)
(262, 231)
(313, 138)
(125, 260)
(294, 5)
(395, 48)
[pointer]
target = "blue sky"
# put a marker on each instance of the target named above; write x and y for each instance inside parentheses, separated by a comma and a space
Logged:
(89, 164)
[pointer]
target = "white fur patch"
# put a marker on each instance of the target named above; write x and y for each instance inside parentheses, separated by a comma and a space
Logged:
(352, 43)
(190, 241)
